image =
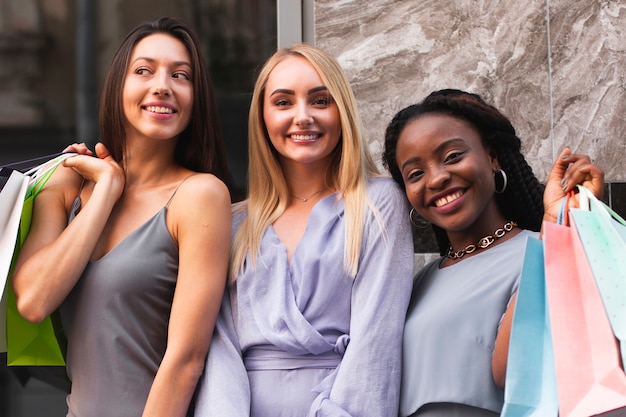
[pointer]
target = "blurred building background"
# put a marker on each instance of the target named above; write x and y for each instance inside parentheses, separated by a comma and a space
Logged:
(54, 55)
(556, 68)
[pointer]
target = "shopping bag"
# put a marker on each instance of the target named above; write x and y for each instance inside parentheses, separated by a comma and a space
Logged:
(530, 388)
(603, 236)
(28, 343)
(11, 203)
(589, 377)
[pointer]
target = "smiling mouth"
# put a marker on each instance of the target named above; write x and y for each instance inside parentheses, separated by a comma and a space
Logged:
(448, 199)
(159, 109)
(305, 138)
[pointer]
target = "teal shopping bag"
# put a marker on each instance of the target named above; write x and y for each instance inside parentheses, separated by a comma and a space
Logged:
(602, 233)
(530, 389)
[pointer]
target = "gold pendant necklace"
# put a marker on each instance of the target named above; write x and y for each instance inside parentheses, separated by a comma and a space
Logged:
(483, 243)
(305, 199)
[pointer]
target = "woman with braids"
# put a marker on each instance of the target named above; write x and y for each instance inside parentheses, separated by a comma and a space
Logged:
(458, 159)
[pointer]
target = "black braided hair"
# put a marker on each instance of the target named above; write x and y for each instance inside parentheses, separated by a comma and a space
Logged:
(522, 201)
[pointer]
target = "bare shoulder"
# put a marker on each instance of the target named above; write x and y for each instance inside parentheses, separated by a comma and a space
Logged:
(204, 185)
(203, 191)
(63, 184)
(65, 176)
(200, 208)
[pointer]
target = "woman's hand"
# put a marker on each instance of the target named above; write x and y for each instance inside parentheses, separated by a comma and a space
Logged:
(79, 148)
(568, 171)
(103, 167)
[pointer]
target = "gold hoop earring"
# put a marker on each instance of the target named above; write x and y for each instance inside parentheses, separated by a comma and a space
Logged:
(417, 220)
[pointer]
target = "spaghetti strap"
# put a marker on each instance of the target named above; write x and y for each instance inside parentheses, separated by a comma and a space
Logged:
(76, 204)
(177, 187)
(82, 184)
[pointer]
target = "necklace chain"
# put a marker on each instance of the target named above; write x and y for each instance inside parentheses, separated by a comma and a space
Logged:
(484, 242)
(305, 199)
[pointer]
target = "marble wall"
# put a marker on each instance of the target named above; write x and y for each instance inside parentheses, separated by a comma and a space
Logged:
(557, 68)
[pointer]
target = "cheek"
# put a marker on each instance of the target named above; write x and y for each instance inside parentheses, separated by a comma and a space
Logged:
(129, 89)
(188, 116)
(186, 100)
(414, 195)
(269, 119)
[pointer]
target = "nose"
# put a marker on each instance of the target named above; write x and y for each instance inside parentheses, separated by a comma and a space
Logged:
(437, 177)
(161, 85)
(303, 115)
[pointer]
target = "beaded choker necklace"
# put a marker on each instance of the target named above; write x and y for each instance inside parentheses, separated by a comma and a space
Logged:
(483, 243)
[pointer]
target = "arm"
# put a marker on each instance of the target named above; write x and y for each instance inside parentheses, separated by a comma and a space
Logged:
(200, 221)
(568, 171)
(55, 253)
(501, 348)
(224, 389)
(368, 378)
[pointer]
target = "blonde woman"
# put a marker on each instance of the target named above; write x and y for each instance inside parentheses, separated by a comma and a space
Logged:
(321, 263)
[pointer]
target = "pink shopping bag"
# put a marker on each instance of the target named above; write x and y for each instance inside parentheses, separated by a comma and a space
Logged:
(590, 380)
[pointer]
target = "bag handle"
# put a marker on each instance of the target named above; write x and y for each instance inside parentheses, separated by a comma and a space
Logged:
(589, 202)
(563, 217)
(40, 174)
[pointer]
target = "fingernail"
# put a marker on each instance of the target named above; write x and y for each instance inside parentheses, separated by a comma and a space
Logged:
(563, 181)
(565, 187)
(565, 156)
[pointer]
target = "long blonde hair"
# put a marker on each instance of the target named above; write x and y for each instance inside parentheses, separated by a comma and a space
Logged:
(351, 164)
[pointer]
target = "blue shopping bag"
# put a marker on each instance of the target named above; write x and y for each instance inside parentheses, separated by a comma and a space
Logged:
(530, 388)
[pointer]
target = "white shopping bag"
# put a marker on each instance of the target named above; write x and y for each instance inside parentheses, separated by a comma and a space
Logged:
(11, 202)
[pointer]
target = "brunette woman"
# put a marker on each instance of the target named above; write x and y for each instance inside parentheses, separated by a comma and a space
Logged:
(133, 244)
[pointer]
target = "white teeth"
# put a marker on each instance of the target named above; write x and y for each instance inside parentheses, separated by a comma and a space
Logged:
(159, 109)
(448, 199)
(304, 137)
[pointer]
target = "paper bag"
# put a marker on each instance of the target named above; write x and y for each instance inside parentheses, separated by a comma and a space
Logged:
(530, 389)
(603, 236)
(590, 380)
(11, 203)
(28, 343)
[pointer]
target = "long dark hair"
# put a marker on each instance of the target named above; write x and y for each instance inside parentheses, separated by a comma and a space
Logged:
(200, 146)
(522, 200)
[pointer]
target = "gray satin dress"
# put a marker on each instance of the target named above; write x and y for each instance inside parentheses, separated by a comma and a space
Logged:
(116, 321)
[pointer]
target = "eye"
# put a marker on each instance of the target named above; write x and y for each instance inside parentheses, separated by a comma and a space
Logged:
(281, 102)
(322, 101)
(413, 175)
(181, 75)
(142, 71)
(454, 156)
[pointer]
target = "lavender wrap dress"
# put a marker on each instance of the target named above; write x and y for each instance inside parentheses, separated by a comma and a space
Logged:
(302, 338)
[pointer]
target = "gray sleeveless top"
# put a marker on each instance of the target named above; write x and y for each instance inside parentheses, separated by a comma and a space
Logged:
(116, 320)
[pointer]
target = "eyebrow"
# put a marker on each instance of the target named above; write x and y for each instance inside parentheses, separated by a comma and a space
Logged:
(439, 148)
(292, 92)
(176, 63)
